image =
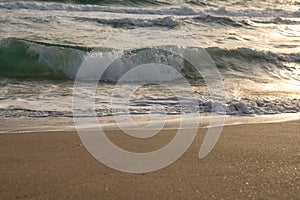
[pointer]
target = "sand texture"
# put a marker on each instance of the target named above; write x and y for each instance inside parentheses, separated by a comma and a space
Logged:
(256, 161)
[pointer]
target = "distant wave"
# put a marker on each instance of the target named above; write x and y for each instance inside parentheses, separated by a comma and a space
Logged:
(169, 21)
(277, 20)
(61, 61)
(174, 10)
(131, 2)
(218, 20)
(96, 8)
(131, 22)
(254, 13)
(173, 22)
(114, 2)
(200, 3)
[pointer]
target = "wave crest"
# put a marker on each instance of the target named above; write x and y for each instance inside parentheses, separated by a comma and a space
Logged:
(57, 61)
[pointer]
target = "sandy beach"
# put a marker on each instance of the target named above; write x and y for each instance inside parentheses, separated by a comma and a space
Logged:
(161, 79)
(255, 161)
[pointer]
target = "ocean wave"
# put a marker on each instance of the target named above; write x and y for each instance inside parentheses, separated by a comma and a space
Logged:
(254, 13)
(169, 21)
(253, 54)
(61, 61)
(114, 2)
(130, 2)
(96, 8)
(179, 10)
(38, 60)
(256, 65)
(218, 20)
(131, 22)
(277, 20)
(200, 3)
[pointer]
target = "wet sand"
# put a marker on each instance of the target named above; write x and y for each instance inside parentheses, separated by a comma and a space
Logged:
(255, 161)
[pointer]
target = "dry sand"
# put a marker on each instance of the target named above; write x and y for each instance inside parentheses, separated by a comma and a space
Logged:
(257, 161)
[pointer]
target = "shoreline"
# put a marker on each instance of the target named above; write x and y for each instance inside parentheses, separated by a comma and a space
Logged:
(251, 161)
(54, 124)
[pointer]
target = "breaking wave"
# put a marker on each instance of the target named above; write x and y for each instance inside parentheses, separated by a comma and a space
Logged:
(41, 60)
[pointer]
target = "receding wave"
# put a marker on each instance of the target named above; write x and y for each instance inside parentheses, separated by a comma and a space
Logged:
(244, 106)
(26, 59)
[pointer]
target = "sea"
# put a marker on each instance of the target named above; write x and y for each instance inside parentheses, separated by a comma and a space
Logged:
(252, 45)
